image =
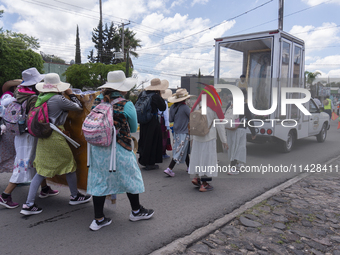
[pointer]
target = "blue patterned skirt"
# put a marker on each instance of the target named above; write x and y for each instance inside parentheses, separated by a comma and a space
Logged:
(181, 147)
(127, 178)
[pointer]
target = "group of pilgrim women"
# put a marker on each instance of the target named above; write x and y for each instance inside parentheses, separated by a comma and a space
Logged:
(39, 158)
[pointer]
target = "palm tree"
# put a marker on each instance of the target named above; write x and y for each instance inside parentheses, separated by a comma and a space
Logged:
(130, 43)
(310, 77)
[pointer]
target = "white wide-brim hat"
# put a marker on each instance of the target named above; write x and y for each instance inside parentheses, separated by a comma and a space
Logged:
(52, 83)
(157, 84)
(31, 77)
(180, 95)
(117, 80)
(165, 94)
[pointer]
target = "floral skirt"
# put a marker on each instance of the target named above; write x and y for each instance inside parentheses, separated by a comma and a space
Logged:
(127, 177)
(25, 146)
(181, 147)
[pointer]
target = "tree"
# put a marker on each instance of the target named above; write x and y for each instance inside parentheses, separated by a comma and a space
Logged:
(90, 75)
(109, 43)
(130, 43)
(310, 77)
(16, 55)
(78, 57)
(112, 42)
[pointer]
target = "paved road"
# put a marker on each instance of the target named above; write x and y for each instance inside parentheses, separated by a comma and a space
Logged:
(180, 208)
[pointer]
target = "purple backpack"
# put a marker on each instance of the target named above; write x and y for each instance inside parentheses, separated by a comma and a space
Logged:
(12, 116)
(98, 124)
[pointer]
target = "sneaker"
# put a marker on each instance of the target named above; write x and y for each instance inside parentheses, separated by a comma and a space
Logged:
(169, 172)
(49, 193)
(96, 225)
(196, 182)
(34, 209)
(206, 187)
(166, 156)
(7, 202)
(143, 214)
(79, 199)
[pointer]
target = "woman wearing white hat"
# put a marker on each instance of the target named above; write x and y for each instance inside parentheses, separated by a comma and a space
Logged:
(165, 123)
(127, 178)
(53, 154)
(150, 135)
(179, 114)
(25, 144)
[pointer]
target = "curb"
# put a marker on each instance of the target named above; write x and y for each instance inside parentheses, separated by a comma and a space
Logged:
(179, 245)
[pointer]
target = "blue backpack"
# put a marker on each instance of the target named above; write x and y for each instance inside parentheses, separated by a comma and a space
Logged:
(143, 108)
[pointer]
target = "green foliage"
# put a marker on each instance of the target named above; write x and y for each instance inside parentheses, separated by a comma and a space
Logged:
(109, 40)
(16, 55)
(90, 75)
(310, 76)
(21, 41)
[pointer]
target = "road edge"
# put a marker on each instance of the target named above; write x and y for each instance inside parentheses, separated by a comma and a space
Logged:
(180, 244)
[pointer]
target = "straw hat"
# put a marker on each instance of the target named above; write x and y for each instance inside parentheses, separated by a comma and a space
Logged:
(52, 83)
(157, 84)
(180, 95)
(165, 94)
(117, 80)
(31, 77)
(8, 84)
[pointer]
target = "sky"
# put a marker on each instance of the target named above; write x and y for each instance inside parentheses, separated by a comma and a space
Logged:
(177, 37)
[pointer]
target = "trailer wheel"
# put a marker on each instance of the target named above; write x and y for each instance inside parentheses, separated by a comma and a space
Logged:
(286, 146)
(321, 137)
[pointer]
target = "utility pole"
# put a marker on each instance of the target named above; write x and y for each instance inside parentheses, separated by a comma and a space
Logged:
(123, 38)
(281, 14)
(100, 39)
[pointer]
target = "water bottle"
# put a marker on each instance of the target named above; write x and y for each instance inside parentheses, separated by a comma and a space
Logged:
(22, 124)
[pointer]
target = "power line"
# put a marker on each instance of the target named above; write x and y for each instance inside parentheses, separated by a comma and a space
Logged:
(237, 16)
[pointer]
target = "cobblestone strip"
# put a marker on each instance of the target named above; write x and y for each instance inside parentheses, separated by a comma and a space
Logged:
(300, 216)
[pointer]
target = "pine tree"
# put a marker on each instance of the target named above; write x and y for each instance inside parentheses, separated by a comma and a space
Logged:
(78, 57)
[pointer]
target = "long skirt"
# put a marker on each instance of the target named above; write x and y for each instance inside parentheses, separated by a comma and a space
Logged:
(150, 143)
(7, 152)
(166, 143)
(54, 156)
(126, 178)
(237, 140)
(25, 146)
(181, 147)
(203, 160)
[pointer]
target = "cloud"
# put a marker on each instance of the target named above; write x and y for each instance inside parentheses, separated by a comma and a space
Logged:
(316, 2)
(199, 2)
(177, 3)
(156, 4)
(317, 38)
(328, 66)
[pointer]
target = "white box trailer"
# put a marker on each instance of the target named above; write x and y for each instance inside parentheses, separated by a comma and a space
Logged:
(268, 60)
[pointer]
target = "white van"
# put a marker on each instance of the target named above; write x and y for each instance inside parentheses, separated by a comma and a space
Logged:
(271, 59)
